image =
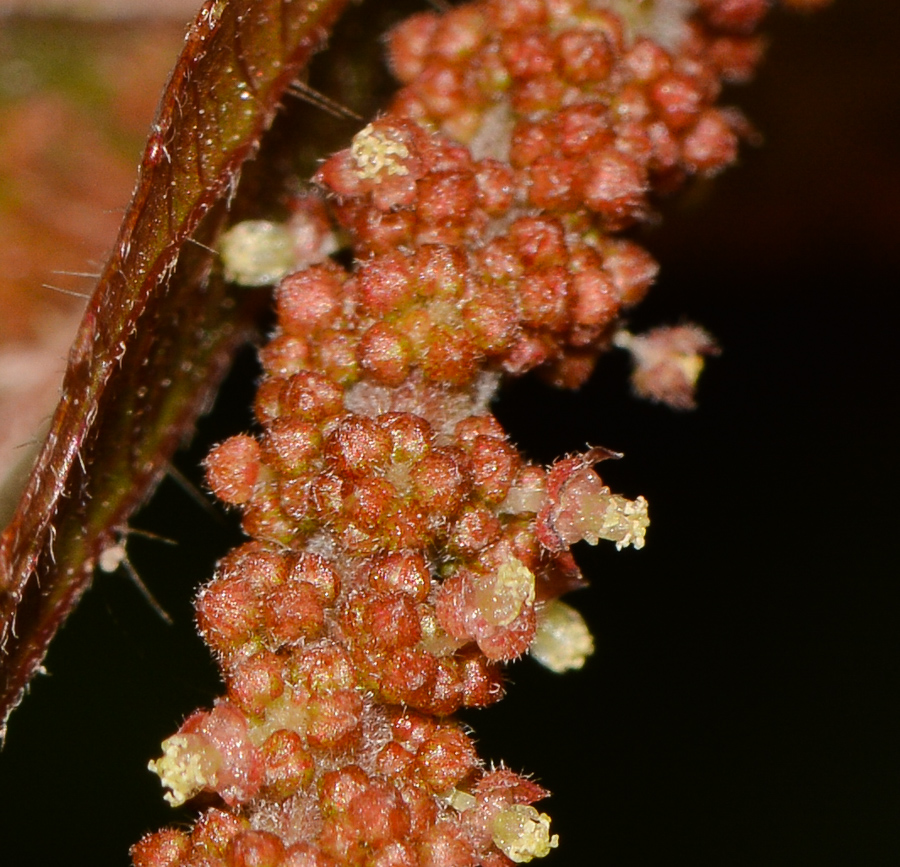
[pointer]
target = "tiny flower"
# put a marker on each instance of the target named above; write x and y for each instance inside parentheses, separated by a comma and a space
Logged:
(375, 151)
(186, 767)
(563, 640)
(668, 362)
(257, 253)
(522, 834)
(579, 506)
(460, 801)
(502, 600)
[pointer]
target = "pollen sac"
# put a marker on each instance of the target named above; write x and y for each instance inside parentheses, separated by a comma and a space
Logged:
(379, 152)
(257, 253)
(186, 767)
(589, 511)
(523, 834)
(579, 506)
(563, 640)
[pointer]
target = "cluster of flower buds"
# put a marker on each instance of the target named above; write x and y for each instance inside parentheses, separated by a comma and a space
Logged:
(402, 548)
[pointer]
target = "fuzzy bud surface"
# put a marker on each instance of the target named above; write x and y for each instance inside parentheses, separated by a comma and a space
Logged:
(402, 548)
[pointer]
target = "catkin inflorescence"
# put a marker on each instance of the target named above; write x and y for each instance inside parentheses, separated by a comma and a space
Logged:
(401, 547)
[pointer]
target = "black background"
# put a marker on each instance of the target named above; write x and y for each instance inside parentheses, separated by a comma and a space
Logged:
(742, 707)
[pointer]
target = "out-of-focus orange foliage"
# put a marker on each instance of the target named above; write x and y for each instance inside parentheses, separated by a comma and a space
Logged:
(76, 99)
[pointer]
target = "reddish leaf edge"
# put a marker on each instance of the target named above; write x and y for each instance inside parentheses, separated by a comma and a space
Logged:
(104, 453)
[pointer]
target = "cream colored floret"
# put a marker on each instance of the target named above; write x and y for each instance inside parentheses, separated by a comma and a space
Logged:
(257, 253)
(375, 152)
(501, 601)
(521, 833)
(563, 640)
(180, 770)
(459, 800)
(626, 522)
(616, 519)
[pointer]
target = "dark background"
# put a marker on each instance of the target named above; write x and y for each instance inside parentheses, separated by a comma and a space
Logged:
(742, 707)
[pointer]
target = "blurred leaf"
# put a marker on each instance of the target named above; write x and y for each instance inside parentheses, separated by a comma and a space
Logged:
(161, 326)
(76, 100)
